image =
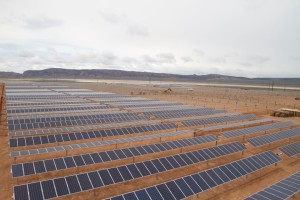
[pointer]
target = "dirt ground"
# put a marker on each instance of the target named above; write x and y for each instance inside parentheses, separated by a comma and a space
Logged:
(259, 102)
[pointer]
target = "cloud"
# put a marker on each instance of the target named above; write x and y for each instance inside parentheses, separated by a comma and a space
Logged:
(166, 57)
(110, 17)
(41, 22)
(136, 29)
(25, 54)
(296, 58)
(199, 52)
(161, 58)
(133, 28)
(257, 59)
(245, 64)
(186, 59)
(218, 60)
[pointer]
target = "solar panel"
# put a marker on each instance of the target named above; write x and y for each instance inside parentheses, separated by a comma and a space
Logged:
(55, 109)
(98, 143)
(114, 175)
(82, 128)
(238, 124)
(205, 180)
(20, 142)
(149, 105)
(271, 138)
(283, 189)
(291, 150)
(218, 120)
(251, 130)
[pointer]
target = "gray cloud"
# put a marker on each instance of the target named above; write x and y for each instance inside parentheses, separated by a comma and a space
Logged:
(218, 60)
(199, 52)
(166, 57)
(110, 17)
(25, 54)
(186, 59)
(133, 28)
(41, 22)
(245, 64)
(257, 59)
(161, 58)
(136, 29)
(296, 58)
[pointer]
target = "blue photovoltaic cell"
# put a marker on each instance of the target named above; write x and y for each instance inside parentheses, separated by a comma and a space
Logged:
(280, 190)
(199, 182)
(291, 150)
(202, 181)
(274, 137)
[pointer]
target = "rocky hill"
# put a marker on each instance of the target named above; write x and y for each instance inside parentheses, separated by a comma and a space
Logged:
(54, 73)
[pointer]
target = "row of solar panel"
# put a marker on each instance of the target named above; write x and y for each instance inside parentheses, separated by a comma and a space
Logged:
(70, 112)
(134, 99)
(197, 182)
(188, 186)
(188, 114)
(66, 114)
(57, 95)
(210, 115)
(42, 166)
(74, 122)
(175, 110)
(270, 138)
(237, 124)
(145, 101)
(37, 140)
(218, 120)
(283, 189)
(33, 93)
(251, 130)
(70, 117)
(148, 105)
(168, 108)
(291, 150)
(92, 107)
(97, 144)
(53, 109)
(81, 128)
(120, 174)
(47, 103)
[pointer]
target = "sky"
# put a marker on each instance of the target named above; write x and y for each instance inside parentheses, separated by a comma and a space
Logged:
(250, 38)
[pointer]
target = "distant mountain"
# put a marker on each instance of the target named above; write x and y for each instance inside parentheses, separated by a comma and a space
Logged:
(54, 73)
(10, 75)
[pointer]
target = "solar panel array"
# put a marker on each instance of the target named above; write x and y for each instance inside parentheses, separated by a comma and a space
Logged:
(291, 150)
(283, 189)
(101, 178)
(100, 157)
(76, 133)
(271, 138)
(251, 130)
(197, 183)
(75, 122)
(81, 128)
(218, 120)
(97, 143)
(232, 125)
(56, 138)
(56, 109)
(31, 123)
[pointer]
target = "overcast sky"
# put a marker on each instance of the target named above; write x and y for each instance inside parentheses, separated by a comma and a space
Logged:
(252, 38)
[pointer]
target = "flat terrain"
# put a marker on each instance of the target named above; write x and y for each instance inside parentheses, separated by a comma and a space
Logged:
(260, 102)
